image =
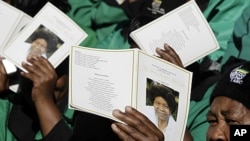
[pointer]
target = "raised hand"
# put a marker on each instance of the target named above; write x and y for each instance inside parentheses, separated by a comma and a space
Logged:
(137, 126)
(4, 79)
(170, 55)
(45, 81)
(43, 76)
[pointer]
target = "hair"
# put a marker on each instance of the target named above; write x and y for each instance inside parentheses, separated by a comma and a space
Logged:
(49, 37)
(158, 90)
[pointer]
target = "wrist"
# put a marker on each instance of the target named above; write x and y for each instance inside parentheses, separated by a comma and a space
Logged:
(43, 101)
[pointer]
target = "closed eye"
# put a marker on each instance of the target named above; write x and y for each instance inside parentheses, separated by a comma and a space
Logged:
(231, 122)
(212, 122)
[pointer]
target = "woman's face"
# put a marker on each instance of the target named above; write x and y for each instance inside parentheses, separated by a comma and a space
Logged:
(38, 47)
(161, 108)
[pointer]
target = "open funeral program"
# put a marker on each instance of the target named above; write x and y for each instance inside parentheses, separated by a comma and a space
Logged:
(50, 34)
(102, 80)
(184, 29)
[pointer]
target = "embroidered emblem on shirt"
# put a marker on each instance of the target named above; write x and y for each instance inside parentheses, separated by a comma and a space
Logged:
(156, 7)
(237, 75)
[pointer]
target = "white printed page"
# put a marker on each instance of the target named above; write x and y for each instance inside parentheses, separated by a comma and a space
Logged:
(185, 29)
(24, 21)
(100, 80)
(12, 21)
(10, 18)
(155, 71)
(60, 30)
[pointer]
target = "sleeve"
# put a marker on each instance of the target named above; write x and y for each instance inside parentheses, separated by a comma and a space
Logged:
(82, 11)
(197, 122)
(239, 43)
(97, 15)
(221, 16)
(5, 109)
(98, 12)
(61, 132)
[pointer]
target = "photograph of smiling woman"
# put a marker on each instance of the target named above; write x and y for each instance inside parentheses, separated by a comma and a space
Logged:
(162, 105)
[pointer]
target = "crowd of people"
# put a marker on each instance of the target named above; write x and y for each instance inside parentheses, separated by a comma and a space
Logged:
(219, 96)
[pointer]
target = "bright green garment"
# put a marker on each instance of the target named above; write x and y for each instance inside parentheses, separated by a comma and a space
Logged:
(239, 45)
(102, 18)
(197, 122)
(91, 39)
(5, 107)
(221, 15)
(114, 41)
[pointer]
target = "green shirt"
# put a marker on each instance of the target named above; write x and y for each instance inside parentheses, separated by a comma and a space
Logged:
(97, 15)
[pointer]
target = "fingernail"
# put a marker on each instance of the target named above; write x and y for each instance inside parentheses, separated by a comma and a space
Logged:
(128, 108)
(113, 125)
(115, 128)
(115, 112)
(35, 57)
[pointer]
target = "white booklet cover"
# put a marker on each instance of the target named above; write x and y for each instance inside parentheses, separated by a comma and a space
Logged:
(61, 32)
(103, 80)
(185, 29)
(12, 21)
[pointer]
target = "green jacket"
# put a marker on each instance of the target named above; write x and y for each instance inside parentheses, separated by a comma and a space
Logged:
(98, 16)
(239, 45)
(222, 15)
(5, 108)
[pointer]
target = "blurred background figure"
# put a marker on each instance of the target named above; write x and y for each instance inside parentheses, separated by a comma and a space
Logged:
(31, 7)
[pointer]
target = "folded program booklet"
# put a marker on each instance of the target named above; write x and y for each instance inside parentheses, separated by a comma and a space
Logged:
(50, 33)
(12, 21)
(185, 29)
(103, 80)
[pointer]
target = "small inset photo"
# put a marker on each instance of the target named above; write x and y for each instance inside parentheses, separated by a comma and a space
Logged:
(42, 42)
(162, 106)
